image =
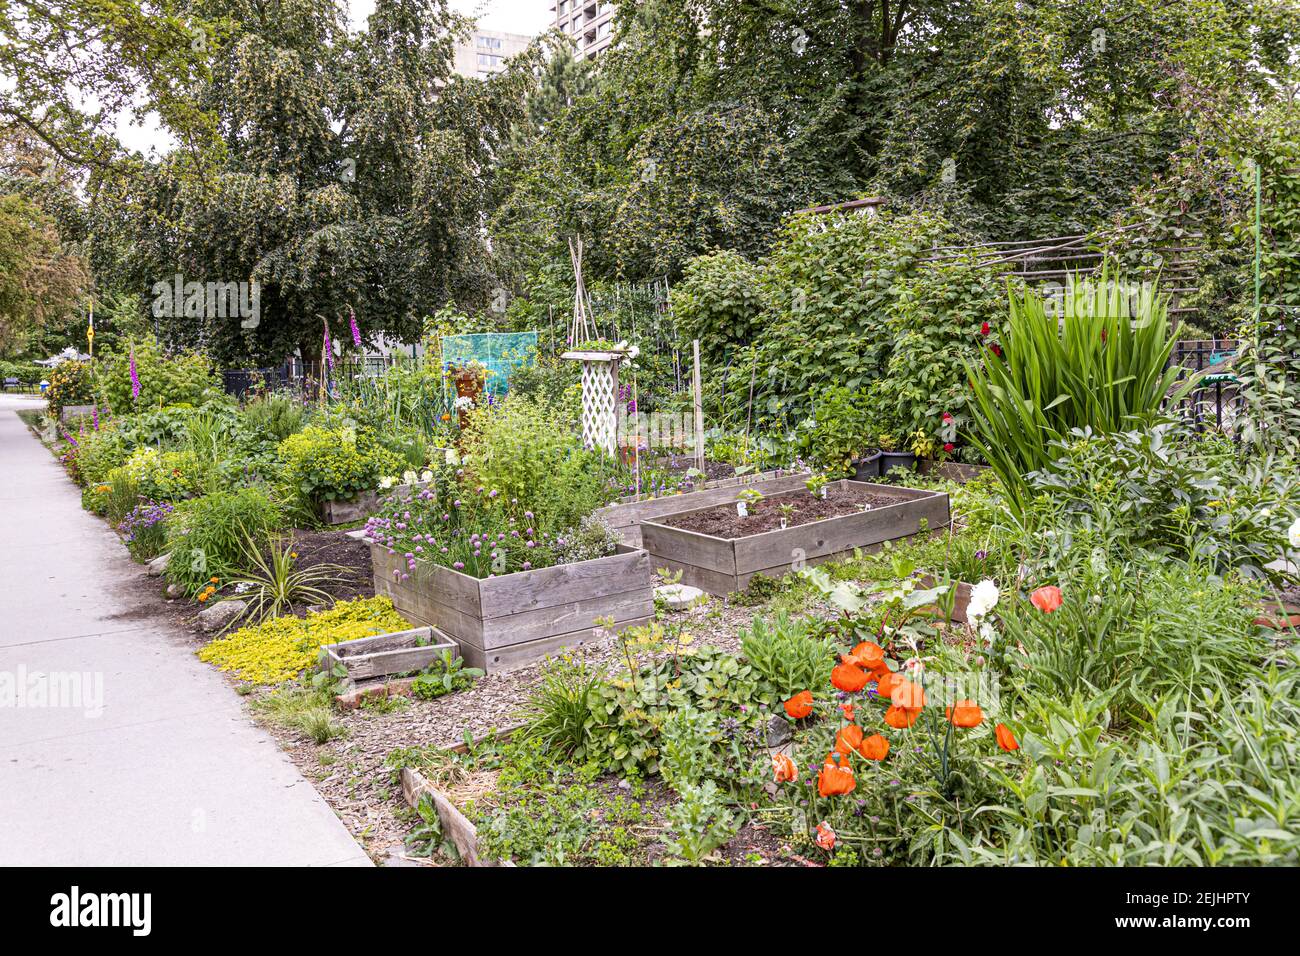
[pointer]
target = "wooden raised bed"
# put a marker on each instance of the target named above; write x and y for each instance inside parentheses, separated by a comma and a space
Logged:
(397, 653)
(723, 565)
(364, 504)
(514, 619)
(626, 518)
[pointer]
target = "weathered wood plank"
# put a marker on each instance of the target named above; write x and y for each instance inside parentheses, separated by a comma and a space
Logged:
(633, 513)
(520, 655)
(688, 547)
(549, 587)
(706, 579)
(844, 533)
(560, 618)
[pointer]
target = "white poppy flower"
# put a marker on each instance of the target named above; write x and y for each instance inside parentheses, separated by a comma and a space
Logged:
(1293, 533)
(983, 598)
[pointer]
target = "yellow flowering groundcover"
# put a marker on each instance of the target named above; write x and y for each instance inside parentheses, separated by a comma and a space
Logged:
(280, 649)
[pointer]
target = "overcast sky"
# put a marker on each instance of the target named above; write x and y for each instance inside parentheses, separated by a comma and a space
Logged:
(529, 17)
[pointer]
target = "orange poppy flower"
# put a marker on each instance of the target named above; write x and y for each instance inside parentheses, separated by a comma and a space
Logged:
(900, 718)
(869, 654)
(965, 713)
(847, 676)
(835, 780)
(800, 705)
(848, 711)
(1006, 739)
(875, 747)
(1047, 599)
(848, 739)
(907, 695)
(825, 836)
(885, 682)
(783, 768)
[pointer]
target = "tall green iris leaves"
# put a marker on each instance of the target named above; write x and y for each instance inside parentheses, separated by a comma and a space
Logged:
(1099, 360)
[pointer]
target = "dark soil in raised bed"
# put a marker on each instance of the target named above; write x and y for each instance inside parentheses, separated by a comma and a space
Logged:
(335, 547)
(723, 521)
(680, 464)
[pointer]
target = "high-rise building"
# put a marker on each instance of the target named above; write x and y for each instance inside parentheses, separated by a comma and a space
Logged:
(588, 23)
(486, 51)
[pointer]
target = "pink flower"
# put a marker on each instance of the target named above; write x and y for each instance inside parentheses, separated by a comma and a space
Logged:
(356, 332)
(135, 376)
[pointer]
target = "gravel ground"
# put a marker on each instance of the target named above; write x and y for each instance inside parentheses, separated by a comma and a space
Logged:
(349, 771)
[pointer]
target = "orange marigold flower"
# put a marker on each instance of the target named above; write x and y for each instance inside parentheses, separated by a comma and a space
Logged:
(1047, 599)
(835, 780)
(869, 654)
(848, 676)
(907, 695)
(825, 836)
(203, 597)
(848, 711)
(783, 768)
(800, 705)
(965, 713)
(848, 739)
(875, 747)
(1006, 739)
(900, 718)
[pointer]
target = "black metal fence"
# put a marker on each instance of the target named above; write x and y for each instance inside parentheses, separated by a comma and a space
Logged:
(1216, 401)
(300, 376)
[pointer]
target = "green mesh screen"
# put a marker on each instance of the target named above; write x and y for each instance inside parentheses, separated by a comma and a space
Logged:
(498, 352)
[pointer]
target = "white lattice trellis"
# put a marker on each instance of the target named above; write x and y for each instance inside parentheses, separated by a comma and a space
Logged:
(599, 398)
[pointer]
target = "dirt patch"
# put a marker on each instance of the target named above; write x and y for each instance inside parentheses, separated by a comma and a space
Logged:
(335, 547)
(724, 521)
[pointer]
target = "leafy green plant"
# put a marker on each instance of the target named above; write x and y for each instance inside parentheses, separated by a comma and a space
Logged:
(1102, 364)
(334, 464)
(839, 431)
(444, 676)
(699, 822)
(787, 655)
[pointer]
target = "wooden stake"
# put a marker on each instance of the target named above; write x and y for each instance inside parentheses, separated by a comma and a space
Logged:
(699, 407)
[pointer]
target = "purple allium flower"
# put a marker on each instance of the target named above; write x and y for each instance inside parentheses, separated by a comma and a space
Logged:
(459, 565)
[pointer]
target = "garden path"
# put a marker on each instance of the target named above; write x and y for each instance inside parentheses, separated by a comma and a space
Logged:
(148, 758)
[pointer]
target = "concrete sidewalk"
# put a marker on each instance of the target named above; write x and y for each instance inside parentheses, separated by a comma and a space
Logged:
(148, 759)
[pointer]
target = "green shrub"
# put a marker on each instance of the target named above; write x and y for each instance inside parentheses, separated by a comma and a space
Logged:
(934, 327)
(164, 379)
(718, 301)
(71, 383)
(98, 453)
(208, 535)
(334, 464)
(841, 429)
(161, 475)
(525, 452)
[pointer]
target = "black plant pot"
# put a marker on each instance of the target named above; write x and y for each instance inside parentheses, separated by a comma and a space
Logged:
(897, 459)
(867, 467)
